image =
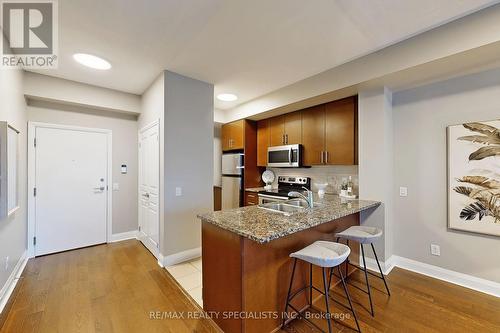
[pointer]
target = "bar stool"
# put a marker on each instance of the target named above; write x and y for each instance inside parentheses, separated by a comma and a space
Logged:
(364, 235)
(326, 255)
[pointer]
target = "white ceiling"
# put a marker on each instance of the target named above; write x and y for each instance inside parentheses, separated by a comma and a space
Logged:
(244, 47)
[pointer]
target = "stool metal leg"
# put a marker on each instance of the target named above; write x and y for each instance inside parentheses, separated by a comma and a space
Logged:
(328, 318)
(380, 269)
(285, 313)
(367, 282)
(310, 284)
(349, 299)
(347, 264)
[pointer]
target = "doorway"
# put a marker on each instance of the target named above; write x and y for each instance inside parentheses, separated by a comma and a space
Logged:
(69, 201)
(149, 187)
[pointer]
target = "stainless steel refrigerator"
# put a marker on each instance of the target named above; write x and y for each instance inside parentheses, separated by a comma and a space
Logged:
(232, 180)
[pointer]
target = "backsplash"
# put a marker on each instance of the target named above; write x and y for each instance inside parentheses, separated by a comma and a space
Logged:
(333, 175)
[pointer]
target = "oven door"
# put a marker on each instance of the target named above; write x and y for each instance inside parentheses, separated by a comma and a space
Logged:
(266, 198)
(284, 156)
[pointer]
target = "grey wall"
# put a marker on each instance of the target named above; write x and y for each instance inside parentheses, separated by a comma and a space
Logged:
(188, 151)
(13, 229)
(375, 163)
(152, 109)
(420, 119)
(124, 147)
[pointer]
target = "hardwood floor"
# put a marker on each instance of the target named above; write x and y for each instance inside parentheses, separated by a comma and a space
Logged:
(417, 304)
(114, 287)
(105, 288)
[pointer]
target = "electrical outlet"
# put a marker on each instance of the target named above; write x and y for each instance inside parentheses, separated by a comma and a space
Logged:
(6, 263)
(435, 250)
(403, 191)
(178, 191)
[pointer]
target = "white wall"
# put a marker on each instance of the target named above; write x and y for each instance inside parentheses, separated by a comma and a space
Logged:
(47, 88)
(421, 116)
(124, 128)
(188, 149)
(13, 229)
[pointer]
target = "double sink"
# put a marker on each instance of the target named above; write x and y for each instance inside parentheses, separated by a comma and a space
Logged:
(288, 207)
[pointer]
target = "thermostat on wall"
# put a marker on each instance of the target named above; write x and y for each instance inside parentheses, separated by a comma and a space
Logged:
(124, 168)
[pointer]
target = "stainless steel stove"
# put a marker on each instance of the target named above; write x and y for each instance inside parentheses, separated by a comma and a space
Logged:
(286, 184)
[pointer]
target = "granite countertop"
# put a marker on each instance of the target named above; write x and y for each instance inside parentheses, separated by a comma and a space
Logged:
(254, 189)
(263, 226)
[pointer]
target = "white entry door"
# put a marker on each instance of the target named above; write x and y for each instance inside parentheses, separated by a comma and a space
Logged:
(149, 187)
(71, 179)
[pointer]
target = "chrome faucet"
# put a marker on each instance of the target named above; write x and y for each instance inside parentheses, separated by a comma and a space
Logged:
(308, 199)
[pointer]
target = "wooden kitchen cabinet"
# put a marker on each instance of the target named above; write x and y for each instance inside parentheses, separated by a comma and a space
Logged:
(263, 142)
(232, 135)
(251, 198)
(277, 131)
(313, 135)
(329, 133)
(340, 132)
(293, 128)
(286, 129)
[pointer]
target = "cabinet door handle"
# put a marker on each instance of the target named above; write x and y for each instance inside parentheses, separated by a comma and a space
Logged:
(321, 158)
(286, 139)
(326, 153)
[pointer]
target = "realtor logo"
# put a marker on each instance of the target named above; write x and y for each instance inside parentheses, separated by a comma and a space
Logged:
(30, 30)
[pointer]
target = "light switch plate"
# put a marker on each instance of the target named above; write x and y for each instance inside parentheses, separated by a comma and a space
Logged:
(403, 191)
(116, 186)
(178, 191)
(435, 250)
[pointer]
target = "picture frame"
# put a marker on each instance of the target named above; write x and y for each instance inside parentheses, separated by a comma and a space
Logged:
(473, 156)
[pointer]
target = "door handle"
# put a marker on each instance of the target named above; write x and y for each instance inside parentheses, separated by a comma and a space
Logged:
(146, 195)
(99, 188)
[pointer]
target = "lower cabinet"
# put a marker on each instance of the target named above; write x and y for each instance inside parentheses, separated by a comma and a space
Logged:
(251, 198)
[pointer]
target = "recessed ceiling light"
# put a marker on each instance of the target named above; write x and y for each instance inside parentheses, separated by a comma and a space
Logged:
(91, 61)
(227, 97)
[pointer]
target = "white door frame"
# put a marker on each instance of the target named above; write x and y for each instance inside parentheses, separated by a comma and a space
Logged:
(32, 126)
(160, 196)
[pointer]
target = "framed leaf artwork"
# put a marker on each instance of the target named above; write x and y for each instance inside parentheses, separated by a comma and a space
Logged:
(474, 177)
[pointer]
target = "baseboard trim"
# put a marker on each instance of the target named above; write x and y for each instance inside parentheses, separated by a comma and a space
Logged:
(123, 236)
(461, 279)
(371, 264)
(179, 257)
(11, 282)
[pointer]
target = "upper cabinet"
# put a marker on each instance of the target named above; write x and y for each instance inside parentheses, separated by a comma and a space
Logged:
(286, 129)
(313, 135)
(232, 135)
(329, 133)
(263, 141)
(340, 132)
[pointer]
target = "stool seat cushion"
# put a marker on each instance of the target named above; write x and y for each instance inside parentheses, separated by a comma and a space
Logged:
(323, 253)
(361, 234)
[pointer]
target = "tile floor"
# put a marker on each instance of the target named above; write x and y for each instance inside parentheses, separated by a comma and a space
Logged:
(188, 275)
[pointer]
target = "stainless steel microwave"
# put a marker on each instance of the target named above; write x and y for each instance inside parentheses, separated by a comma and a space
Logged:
(284, 156)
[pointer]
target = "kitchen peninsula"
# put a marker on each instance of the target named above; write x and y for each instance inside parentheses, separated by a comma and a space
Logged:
(246, 265)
